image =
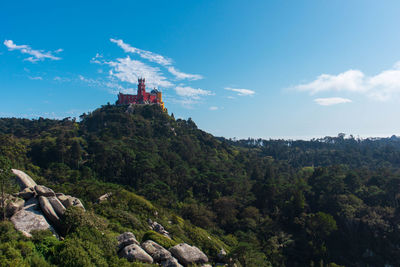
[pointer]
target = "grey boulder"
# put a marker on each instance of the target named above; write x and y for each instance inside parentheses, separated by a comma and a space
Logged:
(187, 254)
(14, 204)
(104, 197)
(69, 201)
(30, 218)
(64, 199)
(155, 226)
(126, 239)
(27, 193)
(157, 252)
(23, 179)
(42, 190)
(48, 210)
(57, 206)
(135, 253)
(77, 203)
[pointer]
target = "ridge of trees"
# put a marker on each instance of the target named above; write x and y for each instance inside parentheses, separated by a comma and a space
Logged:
(286, 203)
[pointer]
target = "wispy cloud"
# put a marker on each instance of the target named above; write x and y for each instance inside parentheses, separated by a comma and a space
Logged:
(241, 91)
(61, 79)
(129, 70)
(382, 86)
(156, 58)
(153, 57)
(113, 86)
(35, 78)
(189, 96)
(187, 91)
(35, 55)
(213, 108)
(329, 101)
(181, 75)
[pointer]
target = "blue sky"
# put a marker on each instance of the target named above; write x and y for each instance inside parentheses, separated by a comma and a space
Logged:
(270, 69)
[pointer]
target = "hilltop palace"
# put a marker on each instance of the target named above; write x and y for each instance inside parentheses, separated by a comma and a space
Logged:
(142, 97)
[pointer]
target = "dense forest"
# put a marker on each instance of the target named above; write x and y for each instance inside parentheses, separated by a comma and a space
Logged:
(325, 202)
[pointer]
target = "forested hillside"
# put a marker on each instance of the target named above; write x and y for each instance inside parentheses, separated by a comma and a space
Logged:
(325, 202)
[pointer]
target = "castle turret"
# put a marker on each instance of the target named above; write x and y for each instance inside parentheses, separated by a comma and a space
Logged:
(141, 91)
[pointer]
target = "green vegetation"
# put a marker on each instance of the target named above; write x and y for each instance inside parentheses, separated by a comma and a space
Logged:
(325, 202)
(159, 239)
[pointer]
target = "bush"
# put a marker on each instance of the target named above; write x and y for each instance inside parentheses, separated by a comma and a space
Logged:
(78, 252)
(46, 245)
(8, 232)
(75, 217)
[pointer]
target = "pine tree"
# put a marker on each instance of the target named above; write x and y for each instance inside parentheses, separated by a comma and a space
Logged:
(5, 167)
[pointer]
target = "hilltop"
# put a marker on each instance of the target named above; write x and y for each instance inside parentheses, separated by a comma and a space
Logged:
(264, 202)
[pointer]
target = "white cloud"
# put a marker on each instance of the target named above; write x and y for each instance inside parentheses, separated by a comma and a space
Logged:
(329, 101)
(351, 80)
(213, 108)
(189, 92)
(35, 78)
(129, 70)
(61, 79)
(36, 55)
(241, 92)
(382, 86)
(181, 75)
(153, 57)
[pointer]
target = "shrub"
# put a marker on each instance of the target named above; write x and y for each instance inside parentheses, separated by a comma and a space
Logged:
(8, 232)
(47, 247)
(75, 217)
(78, 252)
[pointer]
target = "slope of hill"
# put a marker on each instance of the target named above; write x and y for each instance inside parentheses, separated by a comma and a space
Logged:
(266, 203)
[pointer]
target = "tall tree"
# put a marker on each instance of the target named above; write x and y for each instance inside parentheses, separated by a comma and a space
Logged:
(5, 167)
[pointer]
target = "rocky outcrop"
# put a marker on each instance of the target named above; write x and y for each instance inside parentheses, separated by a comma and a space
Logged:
(187, 254)
(135, 253)
(104, 197)
(23, 179)
(155, 226)
(149, 251)
(157, 252)
(44, 205)
(41, 190)
(126, 239)
(30, 218)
